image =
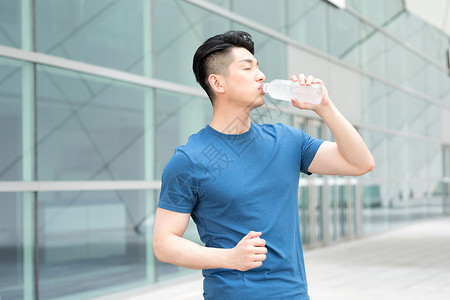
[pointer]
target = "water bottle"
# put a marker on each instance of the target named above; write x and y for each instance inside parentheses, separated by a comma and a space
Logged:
(287, 89)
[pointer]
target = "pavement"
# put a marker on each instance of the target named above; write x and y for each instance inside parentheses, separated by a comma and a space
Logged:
(411, 263)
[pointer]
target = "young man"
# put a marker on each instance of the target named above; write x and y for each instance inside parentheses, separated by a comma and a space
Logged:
(239, 181)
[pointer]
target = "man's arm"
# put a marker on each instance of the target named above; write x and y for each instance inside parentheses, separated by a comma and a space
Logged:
(169, 246)
(349, 155)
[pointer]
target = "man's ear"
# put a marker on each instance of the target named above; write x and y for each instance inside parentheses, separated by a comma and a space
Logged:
(215, 81)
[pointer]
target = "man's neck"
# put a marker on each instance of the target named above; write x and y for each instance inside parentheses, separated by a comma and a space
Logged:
(231, 120)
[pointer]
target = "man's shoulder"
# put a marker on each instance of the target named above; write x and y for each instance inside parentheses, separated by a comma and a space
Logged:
(195, 144)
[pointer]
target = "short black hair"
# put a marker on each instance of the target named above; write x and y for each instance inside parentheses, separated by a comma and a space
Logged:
(213, 55)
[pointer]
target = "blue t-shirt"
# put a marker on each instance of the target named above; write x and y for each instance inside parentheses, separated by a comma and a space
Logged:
(232, 184)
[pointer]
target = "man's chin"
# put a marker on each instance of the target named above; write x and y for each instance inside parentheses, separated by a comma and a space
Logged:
(257, 102)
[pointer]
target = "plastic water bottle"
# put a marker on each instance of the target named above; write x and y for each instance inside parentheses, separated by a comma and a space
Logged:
(287, 89)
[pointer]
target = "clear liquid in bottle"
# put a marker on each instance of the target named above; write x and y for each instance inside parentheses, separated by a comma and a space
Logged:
(287, 89)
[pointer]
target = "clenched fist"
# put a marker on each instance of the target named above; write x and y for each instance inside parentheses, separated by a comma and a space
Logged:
(249, 253)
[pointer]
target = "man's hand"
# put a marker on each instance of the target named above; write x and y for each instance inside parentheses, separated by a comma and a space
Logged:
(349, 155)
(249, 253)
(303, 80)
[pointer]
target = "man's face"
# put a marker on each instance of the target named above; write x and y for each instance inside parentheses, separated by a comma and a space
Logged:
(243, 80)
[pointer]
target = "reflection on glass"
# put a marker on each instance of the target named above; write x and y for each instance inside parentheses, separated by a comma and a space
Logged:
(343, 34)
(10, 23)
(270, 54)
(374, 102)
(107, 33)
(15, 251)
(343, 215)
(11, 154)
(306, 23)
(89, 128)
(89, 242)
(382, 13)
(332, 213)
(319, 215)
(270, 13)
(303, 203)
(189, 27)
(373, 51)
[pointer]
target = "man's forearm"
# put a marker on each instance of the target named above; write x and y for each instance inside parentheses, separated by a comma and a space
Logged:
(349, 142)
(185, 253)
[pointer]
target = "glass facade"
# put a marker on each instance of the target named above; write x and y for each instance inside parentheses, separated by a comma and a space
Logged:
(88, 126)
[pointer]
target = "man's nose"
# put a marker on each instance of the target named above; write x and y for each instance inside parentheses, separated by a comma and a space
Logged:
(261, 76)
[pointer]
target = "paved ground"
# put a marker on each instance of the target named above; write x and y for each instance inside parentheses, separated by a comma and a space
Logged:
(410, 263)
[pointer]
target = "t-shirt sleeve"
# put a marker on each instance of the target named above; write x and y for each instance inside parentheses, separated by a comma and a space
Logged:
(179, 185)
(309, 149)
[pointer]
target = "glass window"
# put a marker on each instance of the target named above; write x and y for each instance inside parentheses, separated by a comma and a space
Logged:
(270, 53)
(397, 155)
(343, 35)
(433, 45)
(435, 163)
(393, 9)
(373, 49)
(396, 69)
(444, 94)
(396, 113)
(374, 216)
(89, 242)
(415, 72)
(332, 213)
(433, 121)
(342, 199)
(307, 23)
(304, 211)
(222, 3)
(415, 32)
(432, 84)
(418, 163)
(11, 121)
(16, 246)
(319, 213)
(355, 4)
(266, 12)
(374, 10)
(10, 23)
(105, 32)
(176, 44)
(89, 128)
(417, 115)
(373, 102)
(397, 25)
(381, 12)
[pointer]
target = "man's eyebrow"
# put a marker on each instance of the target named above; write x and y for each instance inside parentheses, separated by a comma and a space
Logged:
(248, 60)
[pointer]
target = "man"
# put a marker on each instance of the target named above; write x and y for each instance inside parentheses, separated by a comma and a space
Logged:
(239, 181)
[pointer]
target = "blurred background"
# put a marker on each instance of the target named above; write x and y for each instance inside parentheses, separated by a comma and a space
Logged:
(95, 96)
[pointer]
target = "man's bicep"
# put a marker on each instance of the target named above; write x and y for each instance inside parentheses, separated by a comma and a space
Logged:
(169, 222)
(329, 161)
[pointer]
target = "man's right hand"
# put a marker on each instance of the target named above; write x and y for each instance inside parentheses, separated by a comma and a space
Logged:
(249, 253)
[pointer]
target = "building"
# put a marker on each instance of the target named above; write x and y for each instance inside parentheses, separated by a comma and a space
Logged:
(95, 95)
